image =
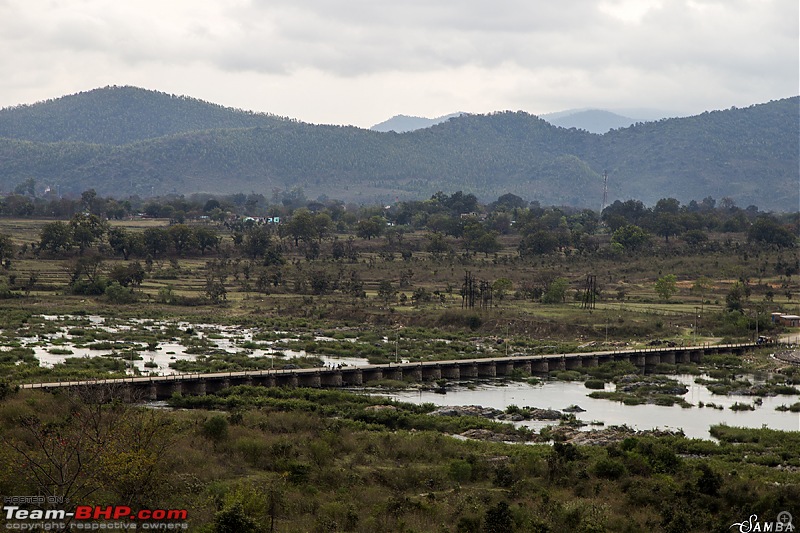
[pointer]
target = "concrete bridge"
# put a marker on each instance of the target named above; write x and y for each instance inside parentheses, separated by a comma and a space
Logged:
(163, 387)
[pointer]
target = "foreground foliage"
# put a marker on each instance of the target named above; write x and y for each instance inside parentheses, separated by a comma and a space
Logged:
(309, 460)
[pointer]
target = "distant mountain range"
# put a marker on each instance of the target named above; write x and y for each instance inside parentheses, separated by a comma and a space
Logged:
(405, 123)
(592, 120)
(124, 140)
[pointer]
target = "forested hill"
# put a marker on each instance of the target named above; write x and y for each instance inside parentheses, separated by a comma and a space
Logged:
(120, 115)
(750, 155)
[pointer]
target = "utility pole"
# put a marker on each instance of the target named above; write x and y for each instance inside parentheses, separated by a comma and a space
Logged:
(756, 323)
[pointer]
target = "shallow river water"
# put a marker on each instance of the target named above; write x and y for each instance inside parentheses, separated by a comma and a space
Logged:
(695, 421)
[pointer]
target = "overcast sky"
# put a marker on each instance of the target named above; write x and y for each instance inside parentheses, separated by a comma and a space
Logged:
(362, 61)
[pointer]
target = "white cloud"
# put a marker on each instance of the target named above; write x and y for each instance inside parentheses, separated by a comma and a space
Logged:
(362, 60)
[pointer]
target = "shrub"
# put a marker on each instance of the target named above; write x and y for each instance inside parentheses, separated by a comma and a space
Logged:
(609, 469)
(597, 384)
(460, 471)
(216, 428)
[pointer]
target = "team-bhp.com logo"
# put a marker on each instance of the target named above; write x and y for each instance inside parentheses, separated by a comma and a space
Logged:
(89, 517)
(782, 523)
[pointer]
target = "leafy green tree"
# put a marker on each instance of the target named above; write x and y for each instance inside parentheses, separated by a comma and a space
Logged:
(320, 282)
(766, 230)
(540, 242)
(85, 275)
(18, 206)
(216, 274)
(666, 286)
(386, 291)
(630, 237)
(206, 239)
(666, 225)
(183, 238)
(701, 286)
(86, 230)
(55, 237)
(131, 274)
(734, 300)
(323, 225)
(117, 294)
(556, 292)
(371, 227)
(509, 202)
(257, 241)
(124, 242)
(695, 237)
(437, 244)
(501, 286)
(6, 247)
(26, 188)
(301, 226)
(156, 241)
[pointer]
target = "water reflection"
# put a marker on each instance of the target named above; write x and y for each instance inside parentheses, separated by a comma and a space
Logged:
(695, 422)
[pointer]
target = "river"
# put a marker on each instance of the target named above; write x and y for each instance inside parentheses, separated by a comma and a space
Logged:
(695, 421)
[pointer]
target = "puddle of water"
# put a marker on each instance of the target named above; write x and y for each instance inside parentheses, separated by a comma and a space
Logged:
(226, 338)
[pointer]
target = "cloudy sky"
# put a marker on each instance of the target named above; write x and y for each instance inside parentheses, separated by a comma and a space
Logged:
(362, 61)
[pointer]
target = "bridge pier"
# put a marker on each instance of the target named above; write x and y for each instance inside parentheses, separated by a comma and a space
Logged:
(194, 388)
(217, 384)
(431, 373)
(352, 378)
(540, 366)
(236, 381)
(167, 389)
(451, 371)
(313, 381)
(286, 380)
(573, 363)
(395, 373)
(372, 374)
(668, 358)
(413, 373)
(652, 359)
(264, 380)
(487, 369)
(589, 361)
(504, 368)
(468, 370)
(331, 379)
(523, 366)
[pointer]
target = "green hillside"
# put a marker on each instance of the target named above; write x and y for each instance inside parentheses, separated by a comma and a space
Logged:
(750, 155)
(120, 115)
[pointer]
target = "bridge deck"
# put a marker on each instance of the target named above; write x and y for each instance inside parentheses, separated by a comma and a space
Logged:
(303, 373)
